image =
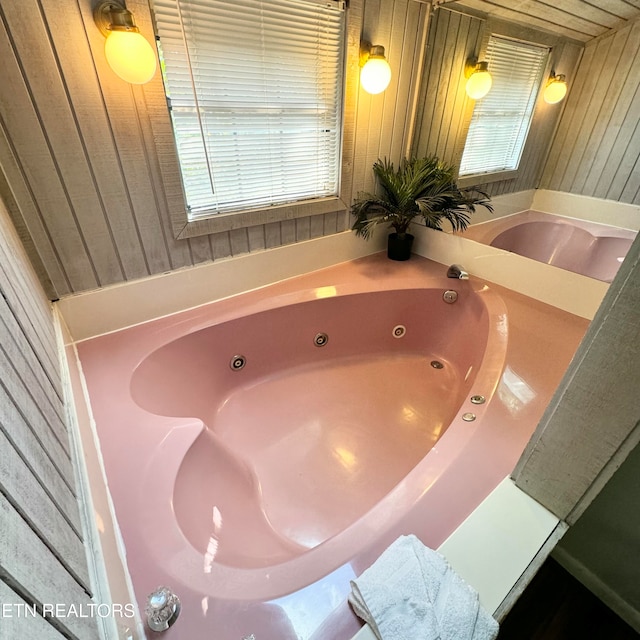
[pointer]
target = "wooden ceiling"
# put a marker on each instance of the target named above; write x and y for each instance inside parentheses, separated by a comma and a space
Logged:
(579, 20)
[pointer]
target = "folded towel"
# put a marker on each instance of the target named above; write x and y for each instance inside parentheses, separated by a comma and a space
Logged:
(412, 593)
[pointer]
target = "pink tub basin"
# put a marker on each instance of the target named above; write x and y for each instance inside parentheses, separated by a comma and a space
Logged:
(303, 441)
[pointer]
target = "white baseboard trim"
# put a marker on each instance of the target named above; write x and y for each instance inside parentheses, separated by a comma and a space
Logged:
(115, 307)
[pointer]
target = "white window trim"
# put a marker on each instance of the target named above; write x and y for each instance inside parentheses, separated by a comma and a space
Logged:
(473, 179)
(162, 131)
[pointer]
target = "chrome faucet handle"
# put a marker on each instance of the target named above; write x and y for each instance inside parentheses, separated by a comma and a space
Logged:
(457, 271)
(162, 610)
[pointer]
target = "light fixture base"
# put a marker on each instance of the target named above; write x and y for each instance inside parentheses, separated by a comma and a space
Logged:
(472, 65)
(365, 52)
(112, 16)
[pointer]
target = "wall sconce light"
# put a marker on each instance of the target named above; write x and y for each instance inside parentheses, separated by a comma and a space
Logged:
(128, 52)
(556, 89)
(375, 74)
(479, 79)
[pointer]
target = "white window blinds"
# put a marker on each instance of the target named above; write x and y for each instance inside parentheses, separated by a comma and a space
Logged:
(255, 92)
(501, 119)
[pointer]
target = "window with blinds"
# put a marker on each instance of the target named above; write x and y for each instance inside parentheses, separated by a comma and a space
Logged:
(501, 119)
(255, 94)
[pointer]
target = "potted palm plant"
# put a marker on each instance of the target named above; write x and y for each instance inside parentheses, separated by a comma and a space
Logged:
(422, 188)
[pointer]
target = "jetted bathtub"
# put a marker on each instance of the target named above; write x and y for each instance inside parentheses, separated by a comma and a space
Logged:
(589, 248)
(264, 449)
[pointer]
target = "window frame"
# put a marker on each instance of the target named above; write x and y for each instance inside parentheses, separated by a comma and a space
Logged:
(183, 227)
(499, 28)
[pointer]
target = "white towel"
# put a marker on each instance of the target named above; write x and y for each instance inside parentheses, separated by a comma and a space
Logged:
(412, 593)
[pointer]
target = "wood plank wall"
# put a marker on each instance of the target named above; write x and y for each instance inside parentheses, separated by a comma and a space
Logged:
(597, 147)
(42, 555)
(445, 111)
(79, 157)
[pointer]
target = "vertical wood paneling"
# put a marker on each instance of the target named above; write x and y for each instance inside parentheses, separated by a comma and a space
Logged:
(427, 116)
(221, 245)
(316, 227)
(394, 21)
(415, 30)
(382, 120)
(625, 48)
(597, 145)
(256, 238)
(42, 554)
(288, 231)
(579, 102)
(31, 156)
(14, 186)
(378, 24)
(445, 110)
(68, 157)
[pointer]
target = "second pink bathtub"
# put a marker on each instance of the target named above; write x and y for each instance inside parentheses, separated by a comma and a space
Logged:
(591, 249)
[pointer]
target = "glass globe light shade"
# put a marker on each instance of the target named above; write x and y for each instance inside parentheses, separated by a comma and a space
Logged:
(375, 75)
(130, 56)
(555, 91)
(478, 84)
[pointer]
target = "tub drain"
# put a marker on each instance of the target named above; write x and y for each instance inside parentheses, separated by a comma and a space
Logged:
(237, 363)
(320, 339)
(436, 364)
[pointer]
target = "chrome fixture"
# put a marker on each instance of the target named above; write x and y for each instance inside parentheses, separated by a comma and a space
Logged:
(162, 610)
(237, 363)
(320, 339)
(398, 331)
(478, 399)
(458, 272)
(469, 417)
(450, 296)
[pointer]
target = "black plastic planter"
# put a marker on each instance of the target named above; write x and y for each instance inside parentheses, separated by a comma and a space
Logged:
(399, 247)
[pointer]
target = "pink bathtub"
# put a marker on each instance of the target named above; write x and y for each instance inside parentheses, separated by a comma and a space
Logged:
(264, 449)
(591, 249)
